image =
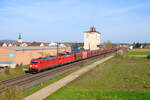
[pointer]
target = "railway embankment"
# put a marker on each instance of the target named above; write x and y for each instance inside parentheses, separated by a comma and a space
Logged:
(43, 93)
(8, 73)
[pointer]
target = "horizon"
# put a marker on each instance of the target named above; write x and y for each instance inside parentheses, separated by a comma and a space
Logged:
(66, 20)
(74, 41)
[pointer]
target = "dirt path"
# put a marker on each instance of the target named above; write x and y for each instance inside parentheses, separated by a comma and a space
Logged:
(43, 93)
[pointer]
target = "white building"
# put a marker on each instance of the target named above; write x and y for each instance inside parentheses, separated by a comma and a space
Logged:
(131, 47)
(62, 45)
(23, 44)
(53, 44)
(91, 39)
(7, 64)
(4, 45)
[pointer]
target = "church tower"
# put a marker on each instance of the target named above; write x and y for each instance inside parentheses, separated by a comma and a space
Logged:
(20, 38)
(91, 39)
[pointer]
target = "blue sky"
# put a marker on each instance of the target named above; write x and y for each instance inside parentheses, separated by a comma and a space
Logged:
(66, 20)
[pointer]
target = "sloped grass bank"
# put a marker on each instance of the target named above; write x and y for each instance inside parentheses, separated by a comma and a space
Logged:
(122, 78)
(86, 94)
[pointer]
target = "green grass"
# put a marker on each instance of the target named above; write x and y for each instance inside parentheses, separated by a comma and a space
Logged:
(138, 53)
(40, 86)
(127, 78)
(11, 73)
(86, 94)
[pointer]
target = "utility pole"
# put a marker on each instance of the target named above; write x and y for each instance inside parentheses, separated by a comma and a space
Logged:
(57, 49)
(89, 46)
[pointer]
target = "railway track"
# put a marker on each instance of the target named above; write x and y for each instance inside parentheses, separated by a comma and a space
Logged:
(27, 81)
(16, 78)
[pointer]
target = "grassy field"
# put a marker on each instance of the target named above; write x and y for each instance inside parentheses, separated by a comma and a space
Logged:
(122, 78)
(138, 53)
(11, 73)
(141, 50)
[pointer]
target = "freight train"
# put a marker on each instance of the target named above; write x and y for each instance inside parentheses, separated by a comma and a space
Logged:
(41, 64)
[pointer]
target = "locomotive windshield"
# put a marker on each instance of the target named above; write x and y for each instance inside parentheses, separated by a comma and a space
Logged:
(34, 62)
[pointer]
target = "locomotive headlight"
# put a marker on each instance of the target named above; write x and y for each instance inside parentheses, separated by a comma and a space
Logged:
(36, 66)
(30, 65)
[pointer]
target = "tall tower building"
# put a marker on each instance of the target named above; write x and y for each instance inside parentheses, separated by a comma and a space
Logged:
(20, 38)
(91, 39)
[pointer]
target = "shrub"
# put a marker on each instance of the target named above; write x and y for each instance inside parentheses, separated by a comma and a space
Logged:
(11, 93)
(118, 54)
(7, 71)
(148, 57)
(17, 65)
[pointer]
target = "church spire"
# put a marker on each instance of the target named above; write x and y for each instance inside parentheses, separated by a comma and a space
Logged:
(20, 38)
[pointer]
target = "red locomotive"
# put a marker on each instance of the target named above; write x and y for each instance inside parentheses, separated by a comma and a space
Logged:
(40, 64)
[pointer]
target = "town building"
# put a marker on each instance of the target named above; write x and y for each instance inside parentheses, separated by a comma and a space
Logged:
(23, 55)
(91, 39)
(53, 44)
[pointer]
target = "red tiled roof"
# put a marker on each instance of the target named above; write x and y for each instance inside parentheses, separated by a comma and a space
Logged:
(35, 44)
(1, 43)
(67, 44)
(45, 44)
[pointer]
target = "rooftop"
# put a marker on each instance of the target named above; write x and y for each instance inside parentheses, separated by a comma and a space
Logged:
(31, 48)
(92, 29)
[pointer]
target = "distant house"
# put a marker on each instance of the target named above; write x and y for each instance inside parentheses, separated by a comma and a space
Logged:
(131, 47)
(1, 43)
(41, 44)
(23, 44)
(53, 44)
(62, 45)
(35, 44)
(18, 44)
(28, 43)
(67, 44)
(6, 44)
(9, 44)
(147, 46)
(13, 44)
(142, 46)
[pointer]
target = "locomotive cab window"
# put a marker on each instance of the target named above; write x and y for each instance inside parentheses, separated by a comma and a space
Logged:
(34, 62)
